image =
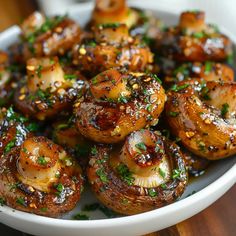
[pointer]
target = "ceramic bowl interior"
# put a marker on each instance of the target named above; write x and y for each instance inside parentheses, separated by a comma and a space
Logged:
(81, 14)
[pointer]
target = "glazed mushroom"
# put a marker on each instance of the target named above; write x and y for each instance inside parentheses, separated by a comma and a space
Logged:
(195, 165)
(194, 40)
(112, 11)
(7, 80)
(48, 36)
(202, 115)
(39, 177)
(47, 90)
(118, 103)
(148, 173)
(139, 22)
(209, 71)
(111, 46)
(66, 135)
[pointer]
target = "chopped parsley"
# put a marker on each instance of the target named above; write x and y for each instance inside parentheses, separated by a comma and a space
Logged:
(44, 209)
(102, 175)
(208, 67)
(59, 187)
(2, 201)
(122, 99)
(177, 88)
(21, 201)
(70, 76)
(154, 76)
(141, 146)
(224, 109)
(9, 146)
(91, 207)
(204, 93)
(38, 71)
(94, 151)
(176, 174)
(125, 174)
(32, 127)
(152, 192)
(163, 186)
(80, 216)
(173, 113)
(199, 35)
(13, 116)
(42, 161)
(109, 25)
(162, 173)
(82, 149)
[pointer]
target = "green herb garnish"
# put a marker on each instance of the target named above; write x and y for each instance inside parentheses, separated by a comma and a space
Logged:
(141, 146)
(125, 173)
(42, 161)
(102, 175)
(177, 88)
(173, 113)
(9, 146)
(2, 201)
(162, 173)
(208, 67)
(224, 109)
(152, 192)
(21, 201)
(80, 216)
(94, 151)
(70, 77)
(199, 35)
(109, 25)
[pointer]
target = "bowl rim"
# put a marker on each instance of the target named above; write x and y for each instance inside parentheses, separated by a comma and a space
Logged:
(228, 178)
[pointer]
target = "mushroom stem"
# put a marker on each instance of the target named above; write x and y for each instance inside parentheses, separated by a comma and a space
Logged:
(38, 162)
(110, 84)
(33, 22)
(44, 73)
(144, 154)
(193, 21)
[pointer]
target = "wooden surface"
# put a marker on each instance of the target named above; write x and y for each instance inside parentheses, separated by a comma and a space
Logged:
(217, 220)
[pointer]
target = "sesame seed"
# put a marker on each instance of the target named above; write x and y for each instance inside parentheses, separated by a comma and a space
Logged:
(189, 134)
(22, 97)
(82, 51)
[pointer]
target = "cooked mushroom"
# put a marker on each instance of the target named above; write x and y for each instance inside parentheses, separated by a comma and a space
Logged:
(202, 115)
(148, 173)
(7, 84)
(48, 36)
(209, 71)
(66, 135)
(14, 129)
(39, 177)
(194, 40)
(118, 103)
(112, 11)
(47, 90)
(112, 46)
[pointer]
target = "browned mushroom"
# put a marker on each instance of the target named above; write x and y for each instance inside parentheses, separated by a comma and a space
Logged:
(112, 46)
(148, 173)
(48, 36)
(202, 115)
(39, 177)
(194, 40)
(112, 11)
(47, 89)
(209, 71)
(118, 103)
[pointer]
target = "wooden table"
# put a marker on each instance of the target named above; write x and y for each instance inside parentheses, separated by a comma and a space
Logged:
(217, 220)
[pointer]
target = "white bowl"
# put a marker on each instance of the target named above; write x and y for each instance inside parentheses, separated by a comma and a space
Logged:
(209, 187)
